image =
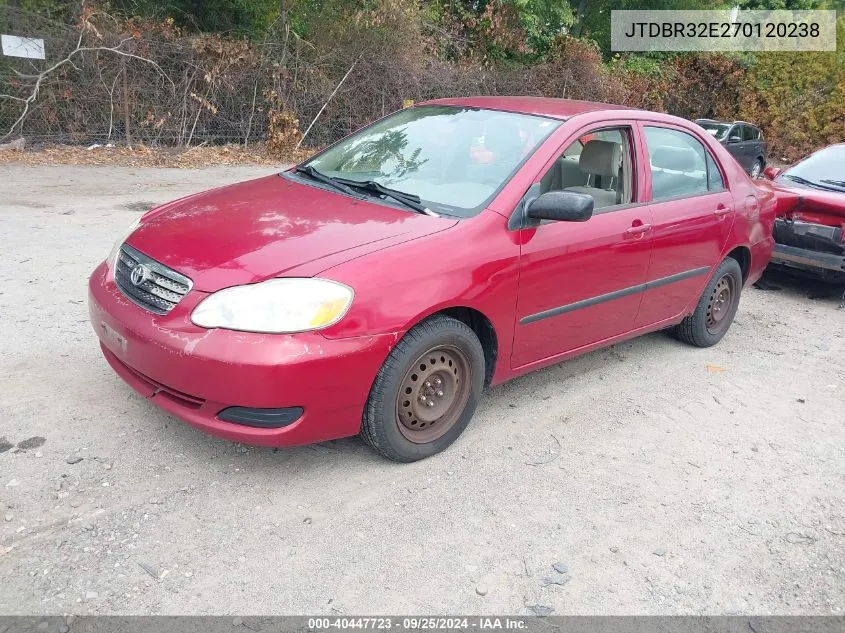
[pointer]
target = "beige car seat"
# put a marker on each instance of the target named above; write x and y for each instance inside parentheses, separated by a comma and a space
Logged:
(602, 159)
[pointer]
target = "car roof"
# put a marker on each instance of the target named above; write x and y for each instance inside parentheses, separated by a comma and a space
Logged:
(726, 122)
(822, 149)
(543, 106)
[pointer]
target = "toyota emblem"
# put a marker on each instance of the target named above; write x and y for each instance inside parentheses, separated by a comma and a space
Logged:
(139, 275)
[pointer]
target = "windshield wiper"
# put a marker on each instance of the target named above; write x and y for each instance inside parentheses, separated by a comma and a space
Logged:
(410, 200)
(817, 185)
(308, 170)
(804, 181)
(835, 183)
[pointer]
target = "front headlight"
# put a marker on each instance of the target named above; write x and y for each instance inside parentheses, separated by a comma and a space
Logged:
(275, 306)
(123, 237)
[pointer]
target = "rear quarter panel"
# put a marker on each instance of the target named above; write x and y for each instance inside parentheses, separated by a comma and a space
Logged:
(754, 224)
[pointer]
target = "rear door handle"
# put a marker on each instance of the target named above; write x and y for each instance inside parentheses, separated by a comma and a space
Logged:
(638, 230)
(721, 211)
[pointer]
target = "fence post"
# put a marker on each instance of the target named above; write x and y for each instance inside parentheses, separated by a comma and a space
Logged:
(126, 107)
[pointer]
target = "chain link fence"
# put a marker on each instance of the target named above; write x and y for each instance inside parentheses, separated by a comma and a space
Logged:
(103, 81)
(110, 81)
(101, 86)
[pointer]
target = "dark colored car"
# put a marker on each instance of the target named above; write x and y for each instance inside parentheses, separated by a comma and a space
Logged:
(810, 228)
(744, 142)
(378, 287)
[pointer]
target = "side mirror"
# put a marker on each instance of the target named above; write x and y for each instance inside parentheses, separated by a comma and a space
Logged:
(771, 172)
(561, 206)
(735, 139)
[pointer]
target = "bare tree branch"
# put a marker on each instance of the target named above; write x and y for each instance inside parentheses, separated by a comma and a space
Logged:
(336, 88)
(39, 79)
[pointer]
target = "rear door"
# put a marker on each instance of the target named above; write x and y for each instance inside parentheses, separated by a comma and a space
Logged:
(692, 212)
(580, 282)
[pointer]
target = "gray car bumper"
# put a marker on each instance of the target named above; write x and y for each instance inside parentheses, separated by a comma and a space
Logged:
(808, 259)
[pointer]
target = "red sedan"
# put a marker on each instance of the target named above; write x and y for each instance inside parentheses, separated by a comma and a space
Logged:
(378, 287)
(810, 229)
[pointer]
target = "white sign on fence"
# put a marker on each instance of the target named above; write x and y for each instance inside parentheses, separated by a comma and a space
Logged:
(29, 47)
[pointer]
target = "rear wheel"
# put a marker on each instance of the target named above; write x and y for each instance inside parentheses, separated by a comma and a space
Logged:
(757, 168)
(426, 392)
(716, 309)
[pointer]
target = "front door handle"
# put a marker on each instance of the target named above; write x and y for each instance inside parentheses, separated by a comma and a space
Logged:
(721, 211)
(638, 230)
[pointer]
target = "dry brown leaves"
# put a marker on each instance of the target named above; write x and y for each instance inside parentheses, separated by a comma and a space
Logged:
(283, 133)
(142, 156)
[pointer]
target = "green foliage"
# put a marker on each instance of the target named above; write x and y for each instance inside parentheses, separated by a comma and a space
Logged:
(595, 23)
(780, 4)
(236, 17)
(641, 64)
(499, 30)
(51, 9)
(542, 21)
(308, 17)
(798, 97)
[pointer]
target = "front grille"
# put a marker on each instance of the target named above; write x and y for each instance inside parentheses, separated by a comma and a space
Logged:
(158, 289)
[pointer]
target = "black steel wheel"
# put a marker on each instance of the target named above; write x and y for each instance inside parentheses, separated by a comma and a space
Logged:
(716, 309)
(424, 395)
(433, 394)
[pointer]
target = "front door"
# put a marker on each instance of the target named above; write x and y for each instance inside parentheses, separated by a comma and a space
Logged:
(580, 282)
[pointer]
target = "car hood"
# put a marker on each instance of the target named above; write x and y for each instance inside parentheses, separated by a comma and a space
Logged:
(268, 227)
(805, 203)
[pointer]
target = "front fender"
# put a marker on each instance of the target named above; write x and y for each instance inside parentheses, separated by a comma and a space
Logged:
(475, 265)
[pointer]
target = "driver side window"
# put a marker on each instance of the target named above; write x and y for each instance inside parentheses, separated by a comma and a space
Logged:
(597, 164)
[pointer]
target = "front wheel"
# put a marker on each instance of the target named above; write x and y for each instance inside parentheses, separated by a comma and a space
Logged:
(426, 392)
(716, 309)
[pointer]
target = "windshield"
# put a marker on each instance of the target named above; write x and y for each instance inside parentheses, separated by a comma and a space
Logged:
(455, 159)
(719, 130)
(825, 169)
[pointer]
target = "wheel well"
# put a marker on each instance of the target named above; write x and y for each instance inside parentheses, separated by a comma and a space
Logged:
(743, 257)
(485, 332)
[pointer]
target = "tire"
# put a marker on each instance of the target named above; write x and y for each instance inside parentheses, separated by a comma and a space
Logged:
(715, 310)
(756, 168)
(417, 407)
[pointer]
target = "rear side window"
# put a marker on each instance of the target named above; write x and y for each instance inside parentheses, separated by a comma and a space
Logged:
(714, 177)
(750, 133)
(678, 163)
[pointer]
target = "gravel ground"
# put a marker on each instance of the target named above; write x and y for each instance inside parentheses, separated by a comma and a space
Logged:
(660, 478)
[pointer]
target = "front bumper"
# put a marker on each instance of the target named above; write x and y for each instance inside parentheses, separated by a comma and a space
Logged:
(828, 264)
(195, 373)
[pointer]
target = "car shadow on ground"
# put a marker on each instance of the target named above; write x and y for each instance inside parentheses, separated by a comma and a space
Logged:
(794, 284)
(495, 403)
(355, 453)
